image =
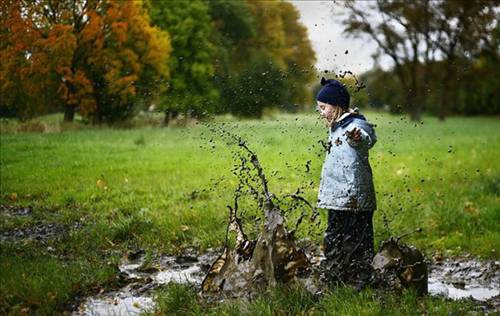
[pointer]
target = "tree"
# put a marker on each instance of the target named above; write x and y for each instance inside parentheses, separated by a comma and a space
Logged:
(284, 39)
(395, 27)
(97, 57)
(233, 26)
(473, 90)
(417, 34)
(463, 28)
(300, 56)
(126, 58)
(267, 43)
(26, 71)
(384, 90)
(191, 88)
(233, 22)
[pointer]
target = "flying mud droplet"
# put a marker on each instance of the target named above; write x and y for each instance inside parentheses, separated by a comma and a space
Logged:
(308, 166)
(274, 257)
(253, 265)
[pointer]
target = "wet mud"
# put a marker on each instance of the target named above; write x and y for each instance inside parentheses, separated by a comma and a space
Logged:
(39, 232)
(460, 278)
(15, 211)
(142, 277)
(397, 266)
(454, 278)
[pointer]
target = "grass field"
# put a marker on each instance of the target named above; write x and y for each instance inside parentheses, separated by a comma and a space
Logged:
(167, 189)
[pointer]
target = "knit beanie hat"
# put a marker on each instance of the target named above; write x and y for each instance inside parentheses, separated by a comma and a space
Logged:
(333, 92)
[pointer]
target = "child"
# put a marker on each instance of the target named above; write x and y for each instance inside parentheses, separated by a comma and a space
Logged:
(346, 188)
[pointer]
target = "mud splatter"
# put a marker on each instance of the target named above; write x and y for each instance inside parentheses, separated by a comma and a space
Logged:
(272, 258)
(398, 266)
(326, 145)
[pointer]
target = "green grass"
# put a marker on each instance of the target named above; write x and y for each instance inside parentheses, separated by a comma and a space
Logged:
(137, 188)
(46, 285)
(178, 299)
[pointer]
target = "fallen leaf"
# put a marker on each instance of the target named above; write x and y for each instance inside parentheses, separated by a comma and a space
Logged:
(101, 184)
(438, 257)
(470, 208)
(51, 296)
(13, 196)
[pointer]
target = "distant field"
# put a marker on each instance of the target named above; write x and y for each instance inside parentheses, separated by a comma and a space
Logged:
(165, 189)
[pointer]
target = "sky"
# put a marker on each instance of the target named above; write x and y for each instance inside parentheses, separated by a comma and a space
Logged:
(325, 32)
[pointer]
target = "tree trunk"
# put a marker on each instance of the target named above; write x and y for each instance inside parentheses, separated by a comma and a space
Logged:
(166, 119)
(414, 93)
(169, 115)
(445, 93)
(443, 106)
(69, 113)
(413, 106)
(413, 109)
(96, 117)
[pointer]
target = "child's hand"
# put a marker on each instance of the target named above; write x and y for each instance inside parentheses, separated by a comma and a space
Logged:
(354, 135)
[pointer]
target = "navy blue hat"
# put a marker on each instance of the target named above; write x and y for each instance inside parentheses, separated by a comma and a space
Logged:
(333, 92)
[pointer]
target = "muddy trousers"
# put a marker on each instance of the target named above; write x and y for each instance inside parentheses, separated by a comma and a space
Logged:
(348, 247)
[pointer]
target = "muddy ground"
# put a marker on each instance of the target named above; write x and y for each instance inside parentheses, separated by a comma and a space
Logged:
(454, 278)
(41, 231)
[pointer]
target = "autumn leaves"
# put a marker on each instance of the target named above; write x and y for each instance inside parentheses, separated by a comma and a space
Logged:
(106, 60)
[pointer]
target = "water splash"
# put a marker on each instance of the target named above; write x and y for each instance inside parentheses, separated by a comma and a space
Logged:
(273, 257)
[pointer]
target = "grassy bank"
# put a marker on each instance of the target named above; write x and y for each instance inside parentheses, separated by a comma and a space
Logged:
(167, 189)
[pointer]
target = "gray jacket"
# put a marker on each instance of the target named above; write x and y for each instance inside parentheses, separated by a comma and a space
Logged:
(346, 179)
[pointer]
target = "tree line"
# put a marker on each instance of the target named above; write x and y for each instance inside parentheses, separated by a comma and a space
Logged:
(108, 59)
(445, 54)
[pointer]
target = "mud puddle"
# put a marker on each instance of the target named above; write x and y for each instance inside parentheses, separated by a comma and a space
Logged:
(464, 278)
(40, 231)
(143, 277)
(458, 278)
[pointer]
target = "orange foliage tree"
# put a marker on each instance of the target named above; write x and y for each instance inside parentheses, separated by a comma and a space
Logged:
(97, 57)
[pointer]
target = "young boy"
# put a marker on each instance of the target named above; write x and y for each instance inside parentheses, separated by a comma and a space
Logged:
(346, 188)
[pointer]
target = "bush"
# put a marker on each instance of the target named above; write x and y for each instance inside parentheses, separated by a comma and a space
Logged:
(33, 126)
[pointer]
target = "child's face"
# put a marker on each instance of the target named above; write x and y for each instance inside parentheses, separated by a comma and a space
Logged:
(327, 111)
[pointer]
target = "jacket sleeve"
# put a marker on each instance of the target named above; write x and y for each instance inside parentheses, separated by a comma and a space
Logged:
(368, 137)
